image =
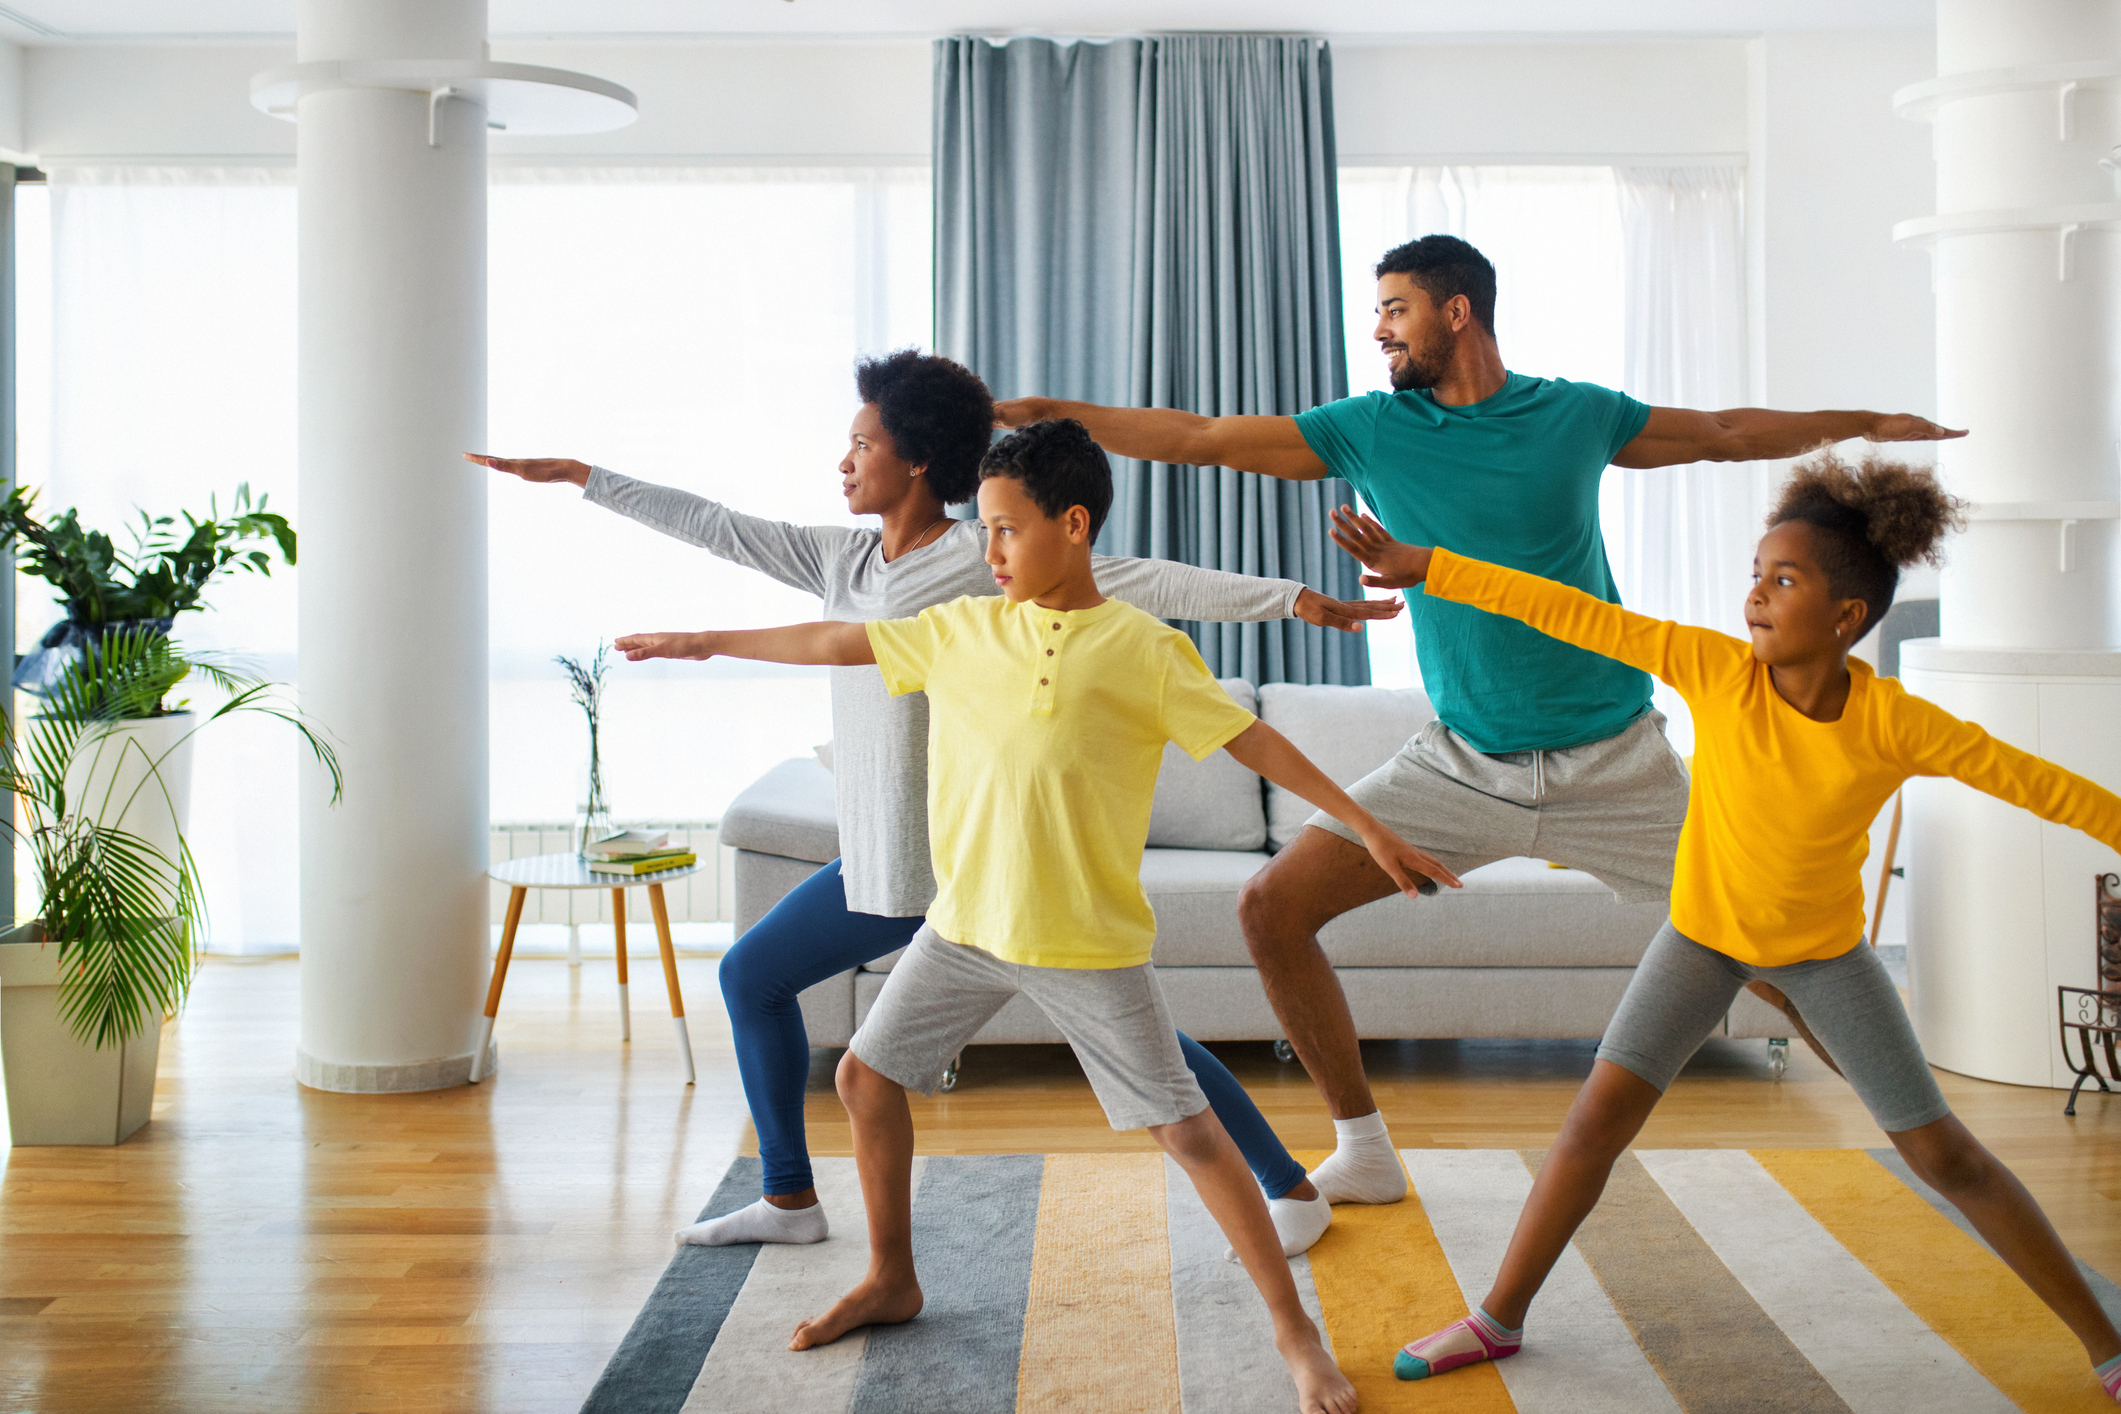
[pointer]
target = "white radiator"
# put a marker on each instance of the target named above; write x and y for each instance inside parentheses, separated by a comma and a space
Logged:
(706, 897)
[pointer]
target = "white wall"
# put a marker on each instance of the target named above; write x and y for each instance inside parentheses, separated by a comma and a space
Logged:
(1559, 100)
(11, 98)
(1845, 318)
(1840, 317)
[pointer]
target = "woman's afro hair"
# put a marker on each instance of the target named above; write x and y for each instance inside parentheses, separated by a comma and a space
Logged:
(1870, 521)
(938, 412)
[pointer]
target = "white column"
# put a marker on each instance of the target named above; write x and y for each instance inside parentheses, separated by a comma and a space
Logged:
(2027, 245)
(393, 596)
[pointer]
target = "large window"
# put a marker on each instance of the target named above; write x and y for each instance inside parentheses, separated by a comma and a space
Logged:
(695, 327)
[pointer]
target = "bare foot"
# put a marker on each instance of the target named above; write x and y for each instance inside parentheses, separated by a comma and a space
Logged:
(874, 1302)
(1320, 1386)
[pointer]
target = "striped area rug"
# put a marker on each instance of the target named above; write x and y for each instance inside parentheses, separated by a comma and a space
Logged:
(1711, 1281)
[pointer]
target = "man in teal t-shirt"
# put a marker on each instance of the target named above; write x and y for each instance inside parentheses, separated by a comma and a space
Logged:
(1539, 748)
(1518, 472)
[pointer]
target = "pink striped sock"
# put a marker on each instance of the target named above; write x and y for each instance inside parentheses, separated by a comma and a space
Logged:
(1463, 1342)
(2110, 1376)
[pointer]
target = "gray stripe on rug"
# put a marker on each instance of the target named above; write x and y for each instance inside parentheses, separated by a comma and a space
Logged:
(1227, 1363)
(1717, 1351)
(2106, 1291)
(653, 1369)
(975, 1219)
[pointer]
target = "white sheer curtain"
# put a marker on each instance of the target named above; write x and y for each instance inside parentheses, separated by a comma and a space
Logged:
(1682, 536)
(692, 326)
(157, 343)
(1632, 277)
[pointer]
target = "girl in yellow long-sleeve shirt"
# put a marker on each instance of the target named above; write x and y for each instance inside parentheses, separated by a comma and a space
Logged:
(1796, 748)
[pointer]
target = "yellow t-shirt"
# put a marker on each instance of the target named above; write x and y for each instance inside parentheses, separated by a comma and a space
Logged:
(1770, 859)
(1045, 733)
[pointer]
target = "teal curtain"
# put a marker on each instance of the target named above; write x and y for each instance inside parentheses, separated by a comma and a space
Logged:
(1152, 222)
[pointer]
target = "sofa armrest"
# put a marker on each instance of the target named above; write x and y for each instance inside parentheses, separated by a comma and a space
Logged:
(789, 811)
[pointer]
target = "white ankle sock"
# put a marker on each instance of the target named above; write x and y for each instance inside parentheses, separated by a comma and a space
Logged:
(1298, 1222)
(1363, 1168)
(761, 1222)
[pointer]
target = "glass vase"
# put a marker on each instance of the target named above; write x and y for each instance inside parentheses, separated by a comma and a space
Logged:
(592, 822)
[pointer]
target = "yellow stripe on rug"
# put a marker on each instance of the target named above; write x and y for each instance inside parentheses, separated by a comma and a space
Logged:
(1383, 1280)
(1960, 1289)
(1099, 1333)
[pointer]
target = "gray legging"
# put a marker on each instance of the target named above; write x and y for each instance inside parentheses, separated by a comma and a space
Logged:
(1682, 990)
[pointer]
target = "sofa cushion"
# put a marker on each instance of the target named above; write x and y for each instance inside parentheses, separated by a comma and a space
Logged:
(1512, 913)
(788, 811)
(1347, 732)
(1211, 804)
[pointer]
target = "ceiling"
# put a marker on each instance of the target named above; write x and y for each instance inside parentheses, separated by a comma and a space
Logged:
(117, 21)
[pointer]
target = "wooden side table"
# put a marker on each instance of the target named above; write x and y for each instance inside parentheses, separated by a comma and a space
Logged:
(568, 871)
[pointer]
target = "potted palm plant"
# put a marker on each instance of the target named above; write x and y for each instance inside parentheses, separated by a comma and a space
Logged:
(102, 777)
(84, 987)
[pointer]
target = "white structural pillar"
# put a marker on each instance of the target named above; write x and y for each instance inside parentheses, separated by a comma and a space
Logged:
(2027, 263)
(393, 99)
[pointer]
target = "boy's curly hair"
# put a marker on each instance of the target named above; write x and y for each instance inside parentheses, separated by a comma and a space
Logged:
(1870, 521)
(938, 412)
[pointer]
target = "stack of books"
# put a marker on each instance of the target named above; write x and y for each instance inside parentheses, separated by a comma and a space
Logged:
(635, 852)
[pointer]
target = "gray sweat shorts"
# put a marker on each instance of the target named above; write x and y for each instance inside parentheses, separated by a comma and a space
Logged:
(1681, 991)
(940, 993)
(1611, 807)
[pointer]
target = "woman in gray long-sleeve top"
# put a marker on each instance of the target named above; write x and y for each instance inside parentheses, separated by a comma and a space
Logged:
(914, 448)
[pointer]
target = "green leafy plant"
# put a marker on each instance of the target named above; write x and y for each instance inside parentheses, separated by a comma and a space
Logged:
(165, 573)
(125, 917)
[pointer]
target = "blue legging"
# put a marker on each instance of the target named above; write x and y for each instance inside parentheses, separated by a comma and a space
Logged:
(811, 935)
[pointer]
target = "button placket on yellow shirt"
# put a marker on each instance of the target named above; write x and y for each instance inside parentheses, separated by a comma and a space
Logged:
(1048, 629)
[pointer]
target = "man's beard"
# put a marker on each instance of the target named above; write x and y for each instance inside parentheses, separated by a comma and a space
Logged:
(1424, 367)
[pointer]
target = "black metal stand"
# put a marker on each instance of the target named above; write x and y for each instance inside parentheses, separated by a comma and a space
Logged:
(2096, 1026)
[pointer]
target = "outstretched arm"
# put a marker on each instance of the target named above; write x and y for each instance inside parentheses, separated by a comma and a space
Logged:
(833, 644)
(1687, 658)
(1270, 446)
(796, 555)
(1262, 749)
(1676, 436)
(1171, 590)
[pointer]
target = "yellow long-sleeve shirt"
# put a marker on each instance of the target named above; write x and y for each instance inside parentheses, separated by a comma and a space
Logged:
(1770, 857)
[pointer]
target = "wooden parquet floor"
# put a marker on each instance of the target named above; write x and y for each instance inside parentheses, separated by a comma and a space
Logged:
(264, 1247)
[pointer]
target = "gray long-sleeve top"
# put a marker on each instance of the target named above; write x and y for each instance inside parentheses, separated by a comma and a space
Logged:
(880, 742)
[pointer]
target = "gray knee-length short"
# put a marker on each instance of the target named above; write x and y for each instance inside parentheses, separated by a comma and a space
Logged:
(1611, 807)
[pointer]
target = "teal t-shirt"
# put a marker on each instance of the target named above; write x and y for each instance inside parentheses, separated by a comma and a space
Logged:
(1512, 479)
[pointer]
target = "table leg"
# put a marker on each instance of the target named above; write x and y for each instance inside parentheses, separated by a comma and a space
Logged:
(574, 945)
(670, 978)
(618, 928)
(500, 975)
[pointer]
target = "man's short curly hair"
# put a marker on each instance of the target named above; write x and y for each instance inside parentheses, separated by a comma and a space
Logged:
(938, 412)
(1059, 465)
(1869, 521)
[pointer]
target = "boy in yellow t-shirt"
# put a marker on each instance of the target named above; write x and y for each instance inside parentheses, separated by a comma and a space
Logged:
(1049, 707)
(1797, 748)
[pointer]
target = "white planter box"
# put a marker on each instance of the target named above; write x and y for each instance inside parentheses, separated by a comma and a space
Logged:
(58, 1090)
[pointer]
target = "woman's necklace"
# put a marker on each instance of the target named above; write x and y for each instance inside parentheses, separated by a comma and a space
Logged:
(922, 538)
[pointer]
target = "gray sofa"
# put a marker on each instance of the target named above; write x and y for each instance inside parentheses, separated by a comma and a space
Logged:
(1524, 950)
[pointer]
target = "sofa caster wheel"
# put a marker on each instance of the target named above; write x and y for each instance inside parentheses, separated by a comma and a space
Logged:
(1778, 1056)
(1284, 1052)
(950, 1074)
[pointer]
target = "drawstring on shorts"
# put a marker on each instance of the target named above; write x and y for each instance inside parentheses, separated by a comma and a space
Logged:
(1539, 773)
